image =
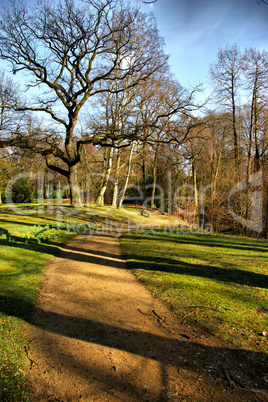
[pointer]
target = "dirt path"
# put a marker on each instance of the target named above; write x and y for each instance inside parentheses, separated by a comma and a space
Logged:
(98, 335)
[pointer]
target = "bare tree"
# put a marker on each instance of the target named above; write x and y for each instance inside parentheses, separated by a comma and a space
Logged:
(137, 113)
(115, 108)
(226, 73)
(71, 51)
(10, 122)
(256, 72)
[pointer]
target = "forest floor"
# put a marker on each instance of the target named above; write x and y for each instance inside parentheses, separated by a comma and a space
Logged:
(97, 334)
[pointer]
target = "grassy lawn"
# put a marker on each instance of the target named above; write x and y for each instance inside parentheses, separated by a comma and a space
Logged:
(215, 282)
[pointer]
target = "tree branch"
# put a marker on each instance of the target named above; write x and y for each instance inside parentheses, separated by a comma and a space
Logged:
(56, 168)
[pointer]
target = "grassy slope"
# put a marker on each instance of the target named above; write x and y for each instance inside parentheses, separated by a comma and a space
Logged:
(216, 282)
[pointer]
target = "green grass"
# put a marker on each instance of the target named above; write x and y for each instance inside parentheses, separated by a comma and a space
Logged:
(215, 282)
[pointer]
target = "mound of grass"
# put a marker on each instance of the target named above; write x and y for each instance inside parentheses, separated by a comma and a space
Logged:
(216, 282)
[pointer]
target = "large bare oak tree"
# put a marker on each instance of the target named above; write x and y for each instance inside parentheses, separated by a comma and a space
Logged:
(70, 51)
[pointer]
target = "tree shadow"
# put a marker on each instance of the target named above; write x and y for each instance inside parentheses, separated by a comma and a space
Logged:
(170, 265)
(135, 342)
(90, 252)
(203, 240)
(50, 247)
(68, 252)
(15, 305)
(107, 259)
(13, 221)
(234, 275)
(171, 354)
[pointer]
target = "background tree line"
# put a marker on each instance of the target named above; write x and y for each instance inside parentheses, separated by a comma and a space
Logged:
(101, 102)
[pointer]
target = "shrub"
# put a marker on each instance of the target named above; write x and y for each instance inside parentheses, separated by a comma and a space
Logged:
(23, 192)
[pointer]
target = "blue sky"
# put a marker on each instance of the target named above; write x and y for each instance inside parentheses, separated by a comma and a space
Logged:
(194, 30)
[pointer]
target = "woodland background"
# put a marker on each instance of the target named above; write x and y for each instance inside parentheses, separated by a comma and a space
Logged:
(103, 110)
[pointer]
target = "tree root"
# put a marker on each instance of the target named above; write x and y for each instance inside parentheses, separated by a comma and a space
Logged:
(27, 348)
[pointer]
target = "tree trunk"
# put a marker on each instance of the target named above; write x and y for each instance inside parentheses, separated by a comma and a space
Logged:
(154, 177)
(116, 177)
(250, 148)
(144, 169)
(257, 150)
(266, 215)
(234, 125)
(122, 195)
(214, 179)
(106, 176)
(47, 191)
(75, 192)
(195, 183)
